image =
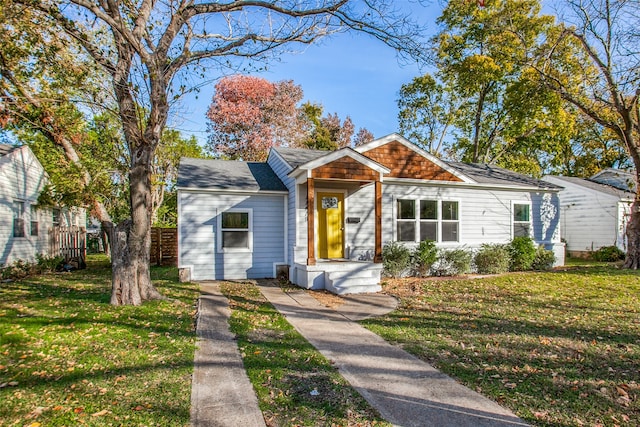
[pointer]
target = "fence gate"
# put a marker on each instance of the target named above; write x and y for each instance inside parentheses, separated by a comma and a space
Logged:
(69, 243)
(164, 246)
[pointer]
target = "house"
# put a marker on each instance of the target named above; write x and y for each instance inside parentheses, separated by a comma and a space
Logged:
(26, 229)
(595, 210)
(324, 217)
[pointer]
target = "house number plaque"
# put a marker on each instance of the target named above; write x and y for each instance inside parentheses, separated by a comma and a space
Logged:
(329, 203)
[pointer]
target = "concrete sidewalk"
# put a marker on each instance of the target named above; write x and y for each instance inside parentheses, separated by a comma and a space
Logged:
(405, 390)
(221, 393)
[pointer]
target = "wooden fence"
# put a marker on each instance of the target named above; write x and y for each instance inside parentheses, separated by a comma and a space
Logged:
(69, 243)
(164, 246)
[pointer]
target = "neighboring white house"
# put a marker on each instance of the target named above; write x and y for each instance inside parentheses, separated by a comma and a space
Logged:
(595, 211)
(325, 216)
(25, 228)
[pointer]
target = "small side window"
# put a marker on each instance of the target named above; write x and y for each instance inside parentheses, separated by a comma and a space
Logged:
(34, 221)
(56, 216)
(234, 231)
(18, 219)
(521, 219)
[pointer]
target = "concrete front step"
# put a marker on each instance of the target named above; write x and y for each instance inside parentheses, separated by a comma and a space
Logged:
(342, 287)
(359, 280)
(338, 276)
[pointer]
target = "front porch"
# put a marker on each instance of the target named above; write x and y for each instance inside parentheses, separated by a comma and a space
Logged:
(339, 218)
(338, 276)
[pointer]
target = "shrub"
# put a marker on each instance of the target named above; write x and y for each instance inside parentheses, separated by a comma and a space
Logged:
(453, 262)
(543, 260)
(48, 263)
(396, 259)
(492, 259)
(608, 254)
(19, 269)
(423, 257)
(523, 252)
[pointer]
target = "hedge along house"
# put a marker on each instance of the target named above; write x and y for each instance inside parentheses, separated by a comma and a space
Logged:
(325, 216)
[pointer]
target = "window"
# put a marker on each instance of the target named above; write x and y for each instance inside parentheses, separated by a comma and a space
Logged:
(521, 219)
(18, 219)
(429, 220)
(434, 220)
(34, 221)
(450, 221)
(56, 216)
(406, 223)
(234, 231)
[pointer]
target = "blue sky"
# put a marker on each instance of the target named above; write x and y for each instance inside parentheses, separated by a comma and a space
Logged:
(349, 74)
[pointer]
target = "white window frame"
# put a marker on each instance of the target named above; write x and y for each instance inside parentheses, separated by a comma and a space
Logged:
(34, 227)
(249, 230)
(417, 220)
(19, 219)
(435, 221)
(513, 220)
(442, 221)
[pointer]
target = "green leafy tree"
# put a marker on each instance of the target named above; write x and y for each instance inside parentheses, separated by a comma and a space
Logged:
(483, 95)
(148, 50)
(324, 133)
(427, 111)
(43, 81)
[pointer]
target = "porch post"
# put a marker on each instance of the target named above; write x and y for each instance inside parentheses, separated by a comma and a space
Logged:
(378, 211)
(311, 241)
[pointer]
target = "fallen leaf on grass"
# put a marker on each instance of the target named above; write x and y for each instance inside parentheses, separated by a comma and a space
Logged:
(100, 413)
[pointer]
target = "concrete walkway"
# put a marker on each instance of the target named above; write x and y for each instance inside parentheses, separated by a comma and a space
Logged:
(405, 390)
(221, 393)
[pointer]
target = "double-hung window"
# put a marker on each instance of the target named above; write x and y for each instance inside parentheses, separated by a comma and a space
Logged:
(406, 221)
(18, 219)
(235, 231)
(429, 220)
(418, 220)
(521, 219)
(34, 221)
(450, 221)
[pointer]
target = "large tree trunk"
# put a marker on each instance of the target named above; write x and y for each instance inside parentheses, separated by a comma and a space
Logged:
(130, 250)
(633, 226)
(633, 237)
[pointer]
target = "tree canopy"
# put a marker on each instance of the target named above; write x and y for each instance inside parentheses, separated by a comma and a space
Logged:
(484, 103)
(249, 114)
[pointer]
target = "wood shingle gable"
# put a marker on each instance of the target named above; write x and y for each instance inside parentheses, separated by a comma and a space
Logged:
(345, 168)
(343, 164)
(406, 160)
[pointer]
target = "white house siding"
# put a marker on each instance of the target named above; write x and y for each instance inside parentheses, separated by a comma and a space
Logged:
(360, 204)
(281, 169)
(21, 180)
(197, 235)
(485, 214)
(590, 218)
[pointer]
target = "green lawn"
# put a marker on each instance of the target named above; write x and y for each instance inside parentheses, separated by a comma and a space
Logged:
(559, 348)
(67, 357)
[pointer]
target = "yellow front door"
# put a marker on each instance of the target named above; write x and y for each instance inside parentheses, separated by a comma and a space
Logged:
(330, 207)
